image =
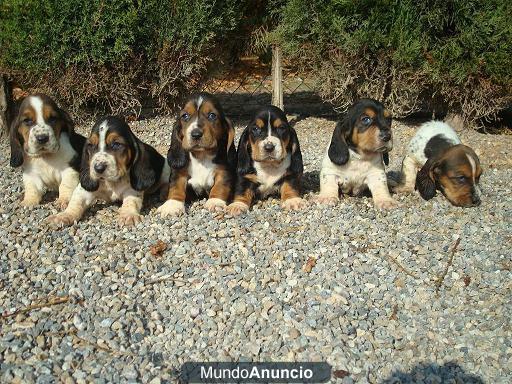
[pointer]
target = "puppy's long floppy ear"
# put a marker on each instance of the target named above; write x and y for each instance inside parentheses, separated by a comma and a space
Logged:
(85, 176)
(296, 166)
(147, 167)
(425, 183)
(338, 150)
(176, 156)
(16, 145)
(231, 147)
(385, 158)
(244, 165)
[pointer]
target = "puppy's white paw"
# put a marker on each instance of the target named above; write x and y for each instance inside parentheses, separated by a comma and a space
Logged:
(62, 202)
(402, 188)
(387, 203)
(129, 219)
(62, 219)
(30, 201)
(294, 204)
(326, 200)
(236, 208)
(214, 204)
(171, 208)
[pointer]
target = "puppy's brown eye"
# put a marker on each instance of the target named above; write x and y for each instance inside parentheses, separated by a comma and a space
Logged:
(212, 116)
(256, 130)
(366, 120)
(115, 146)
(52, 119)
(185, 117)
(28, 121)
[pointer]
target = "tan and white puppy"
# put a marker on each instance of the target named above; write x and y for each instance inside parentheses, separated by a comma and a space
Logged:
(444, 164)
(202, 156)
(356, 155)
(116, 166)
(44, 143)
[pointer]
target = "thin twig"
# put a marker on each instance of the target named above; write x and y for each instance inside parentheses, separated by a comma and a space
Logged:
(401, 267)
(57, 301)
(166, 278)
(440, 278)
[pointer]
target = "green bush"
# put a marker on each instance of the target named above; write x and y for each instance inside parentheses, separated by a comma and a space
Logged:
(450, 54)
(115, 53)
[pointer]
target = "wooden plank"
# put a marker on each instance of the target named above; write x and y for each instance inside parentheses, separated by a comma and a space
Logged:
(277, 77)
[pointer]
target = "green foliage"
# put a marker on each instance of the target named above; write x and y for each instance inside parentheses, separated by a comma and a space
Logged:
(447, 43)
(169, 42)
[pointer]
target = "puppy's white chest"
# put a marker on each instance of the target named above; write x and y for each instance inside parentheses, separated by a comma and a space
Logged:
(268, 175)
(202, 174)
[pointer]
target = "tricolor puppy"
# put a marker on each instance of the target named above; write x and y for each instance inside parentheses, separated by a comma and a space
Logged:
(44, 143)
(269, 160)
(116, 166)
(445, 163)
(356, 155)
(202, 156)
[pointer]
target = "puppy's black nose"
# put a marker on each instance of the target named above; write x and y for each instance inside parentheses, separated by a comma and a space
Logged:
(100, 167)
(196, 134)
(41, 139)
(385, 136)
(269, 147)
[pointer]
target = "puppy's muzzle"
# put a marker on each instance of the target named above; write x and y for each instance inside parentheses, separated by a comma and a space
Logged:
(385, 136)
(100, 168)
(42, 139)
(269, 147)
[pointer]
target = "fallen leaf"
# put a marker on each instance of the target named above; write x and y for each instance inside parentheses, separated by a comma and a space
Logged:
(340, 373)
(467, 280)
(158, 249)
(393, 314)
(309, 265)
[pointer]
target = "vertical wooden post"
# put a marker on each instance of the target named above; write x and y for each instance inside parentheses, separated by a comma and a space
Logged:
(5, 96)
(277, 77)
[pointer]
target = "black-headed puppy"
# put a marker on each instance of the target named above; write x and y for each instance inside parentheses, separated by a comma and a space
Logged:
(116, 166)
(202, 156)
(269, 160)
(45, 144)
(445, 164)
(356, 155)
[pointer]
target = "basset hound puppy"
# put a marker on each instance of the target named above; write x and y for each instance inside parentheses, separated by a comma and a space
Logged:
(202, 156)
(45, 144)
(444, 164)
(116, 166)
(356, 155)
(269, 160)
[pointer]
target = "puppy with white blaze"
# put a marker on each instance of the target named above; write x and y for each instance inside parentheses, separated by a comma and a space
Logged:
(356, 155)
(46, 146)
(116, 166)
(444, 164)
(269, 160)
(202, 156)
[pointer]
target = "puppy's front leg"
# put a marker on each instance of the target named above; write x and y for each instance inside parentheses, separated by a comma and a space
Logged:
(129, 213)
(34, 190)
(290, 193)
(80, 201)
(175, 204)
(244, 194)
(408, 176)
(377, 183)
(329, 189)
(220, 191)
(70, 179)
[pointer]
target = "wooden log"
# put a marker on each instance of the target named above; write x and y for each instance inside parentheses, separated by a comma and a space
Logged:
(5, 106)
(277, 77)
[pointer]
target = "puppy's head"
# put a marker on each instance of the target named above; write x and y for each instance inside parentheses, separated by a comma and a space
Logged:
(366, 128)
(37, 128)
(269, 135)
(109, 152)
(456, 173)
(202, 124)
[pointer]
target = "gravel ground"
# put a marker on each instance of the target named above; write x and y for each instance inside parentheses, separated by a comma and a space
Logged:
(418, 294)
